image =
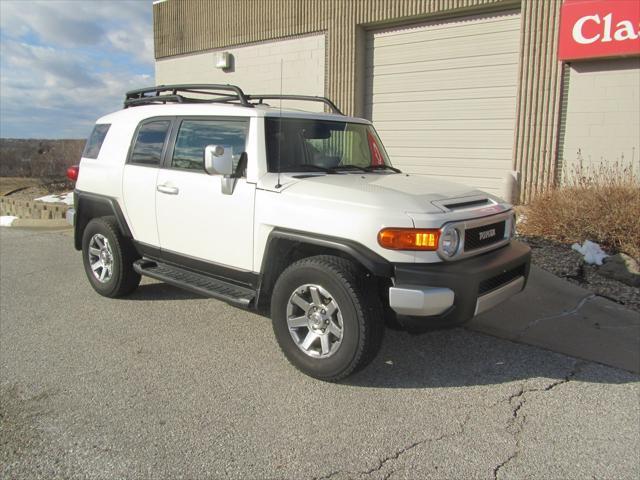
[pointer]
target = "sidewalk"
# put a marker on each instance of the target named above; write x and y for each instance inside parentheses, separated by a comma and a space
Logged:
(557, 315)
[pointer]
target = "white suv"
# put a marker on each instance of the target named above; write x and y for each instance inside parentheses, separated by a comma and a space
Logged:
(296, 215)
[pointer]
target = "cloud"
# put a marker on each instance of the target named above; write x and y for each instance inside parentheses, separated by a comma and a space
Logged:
(53, 22)
(120, 25)
(63, 64)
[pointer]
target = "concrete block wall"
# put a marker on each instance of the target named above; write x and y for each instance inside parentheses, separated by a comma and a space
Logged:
(256, 68)
(603, 115)
(32, 209)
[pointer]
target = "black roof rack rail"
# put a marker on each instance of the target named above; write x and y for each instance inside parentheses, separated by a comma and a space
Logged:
(172, 93)
(307, 98)
(220, 93)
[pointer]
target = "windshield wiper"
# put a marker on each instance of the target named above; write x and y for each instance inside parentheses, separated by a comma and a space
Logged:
(307, 167)
(350, 167)
(371, 168)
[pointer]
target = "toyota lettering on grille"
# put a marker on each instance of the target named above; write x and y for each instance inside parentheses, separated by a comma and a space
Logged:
(487, 234)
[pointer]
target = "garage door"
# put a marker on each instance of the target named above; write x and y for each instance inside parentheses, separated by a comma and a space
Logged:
(443, 97)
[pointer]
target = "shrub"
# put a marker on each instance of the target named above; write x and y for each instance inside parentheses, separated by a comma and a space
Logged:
(600, 203)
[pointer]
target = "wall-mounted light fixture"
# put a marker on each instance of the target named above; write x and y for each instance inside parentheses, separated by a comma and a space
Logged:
(223, 60)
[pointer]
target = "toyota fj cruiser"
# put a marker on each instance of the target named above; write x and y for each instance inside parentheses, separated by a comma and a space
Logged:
(296, 215)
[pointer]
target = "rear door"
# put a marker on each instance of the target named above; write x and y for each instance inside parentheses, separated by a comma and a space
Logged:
(139, 179)
(196, 221)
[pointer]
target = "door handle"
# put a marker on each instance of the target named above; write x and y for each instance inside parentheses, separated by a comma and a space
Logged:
(168, 190)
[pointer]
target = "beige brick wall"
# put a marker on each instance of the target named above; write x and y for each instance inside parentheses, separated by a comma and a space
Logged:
(603, 114)
(32, 209)
(256, 68)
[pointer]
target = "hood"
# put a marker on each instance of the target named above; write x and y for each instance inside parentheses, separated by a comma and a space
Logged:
(404, 192)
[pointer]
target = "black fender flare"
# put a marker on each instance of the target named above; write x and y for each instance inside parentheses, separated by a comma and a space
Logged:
(369, 259)
(91, 205)
(280, 243)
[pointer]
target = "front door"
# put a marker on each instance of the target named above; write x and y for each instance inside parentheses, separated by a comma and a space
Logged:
(195, 219)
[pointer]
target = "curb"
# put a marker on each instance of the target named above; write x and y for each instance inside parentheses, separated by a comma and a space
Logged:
(57, 224)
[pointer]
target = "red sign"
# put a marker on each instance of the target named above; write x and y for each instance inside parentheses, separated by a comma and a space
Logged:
(599, 28)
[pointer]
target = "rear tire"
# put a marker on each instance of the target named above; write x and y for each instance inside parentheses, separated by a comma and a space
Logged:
(108, 258)
(327, 317)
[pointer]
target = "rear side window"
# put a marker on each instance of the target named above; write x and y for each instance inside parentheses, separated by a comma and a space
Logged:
(92, 148)
(147, 149)
(195, 135)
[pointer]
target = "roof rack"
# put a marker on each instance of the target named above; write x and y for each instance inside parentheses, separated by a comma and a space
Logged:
(307, 98)
(158, 94)
(218, 93)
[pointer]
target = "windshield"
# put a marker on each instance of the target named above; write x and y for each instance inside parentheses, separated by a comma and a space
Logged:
(309, 145)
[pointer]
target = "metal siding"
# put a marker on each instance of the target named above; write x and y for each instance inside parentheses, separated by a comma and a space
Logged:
(182, 27)
(538, 108)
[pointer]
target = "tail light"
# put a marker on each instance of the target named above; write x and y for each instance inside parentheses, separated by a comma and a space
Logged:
(72, 172)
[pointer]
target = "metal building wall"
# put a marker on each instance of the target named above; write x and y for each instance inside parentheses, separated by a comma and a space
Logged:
(183, 27)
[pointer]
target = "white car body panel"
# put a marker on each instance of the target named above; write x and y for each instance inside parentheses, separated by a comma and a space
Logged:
(356, 206)
(202, 222)
(139, 205)
(103, 175)
(307, 210)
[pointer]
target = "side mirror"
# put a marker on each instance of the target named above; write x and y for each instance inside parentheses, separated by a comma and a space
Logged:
(218, 160)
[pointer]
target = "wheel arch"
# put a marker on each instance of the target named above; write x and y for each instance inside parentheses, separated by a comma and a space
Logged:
(284, 247)
(91, 205)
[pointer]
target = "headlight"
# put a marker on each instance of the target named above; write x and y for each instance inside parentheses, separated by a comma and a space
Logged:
(449, 241)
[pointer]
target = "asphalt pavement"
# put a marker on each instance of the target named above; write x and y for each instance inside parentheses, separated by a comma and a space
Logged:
(165, 384)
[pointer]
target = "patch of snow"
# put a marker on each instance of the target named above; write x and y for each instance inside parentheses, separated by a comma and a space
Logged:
(62, 198)
(591, 251)
(6, 220)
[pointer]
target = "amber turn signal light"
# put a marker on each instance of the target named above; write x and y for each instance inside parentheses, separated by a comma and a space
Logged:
(409, 238)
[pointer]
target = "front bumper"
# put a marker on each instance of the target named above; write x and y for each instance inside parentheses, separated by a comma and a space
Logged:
(427, 296)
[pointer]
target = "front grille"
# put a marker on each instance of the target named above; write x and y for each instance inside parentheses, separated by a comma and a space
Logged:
(479, 237)
(492, 283)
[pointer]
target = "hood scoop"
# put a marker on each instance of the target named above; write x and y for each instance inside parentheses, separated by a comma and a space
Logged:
(466, 203)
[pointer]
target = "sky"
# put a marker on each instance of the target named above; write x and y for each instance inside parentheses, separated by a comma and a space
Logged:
(64, 64)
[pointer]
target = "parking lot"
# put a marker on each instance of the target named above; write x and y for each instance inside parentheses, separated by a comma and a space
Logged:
(165, 384)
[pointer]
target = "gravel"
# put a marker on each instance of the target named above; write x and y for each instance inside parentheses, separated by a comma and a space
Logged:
(562, 261)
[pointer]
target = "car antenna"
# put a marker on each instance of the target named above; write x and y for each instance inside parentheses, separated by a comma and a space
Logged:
(279, 185)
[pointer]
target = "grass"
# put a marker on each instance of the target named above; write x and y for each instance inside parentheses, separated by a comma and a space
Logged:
(600, 203)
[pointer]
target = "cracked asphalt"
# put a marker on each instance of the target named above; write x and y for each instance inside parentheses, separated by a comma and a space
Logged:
(165, 384)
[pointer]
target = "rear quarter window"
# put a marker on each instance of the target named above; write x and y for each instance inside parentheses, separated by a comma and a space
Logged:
(94, 143)
(149, 143)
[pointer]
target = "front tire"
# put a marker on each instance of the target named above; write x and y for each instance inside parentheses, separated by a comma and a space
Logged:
(327, 317)
(108, 258)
